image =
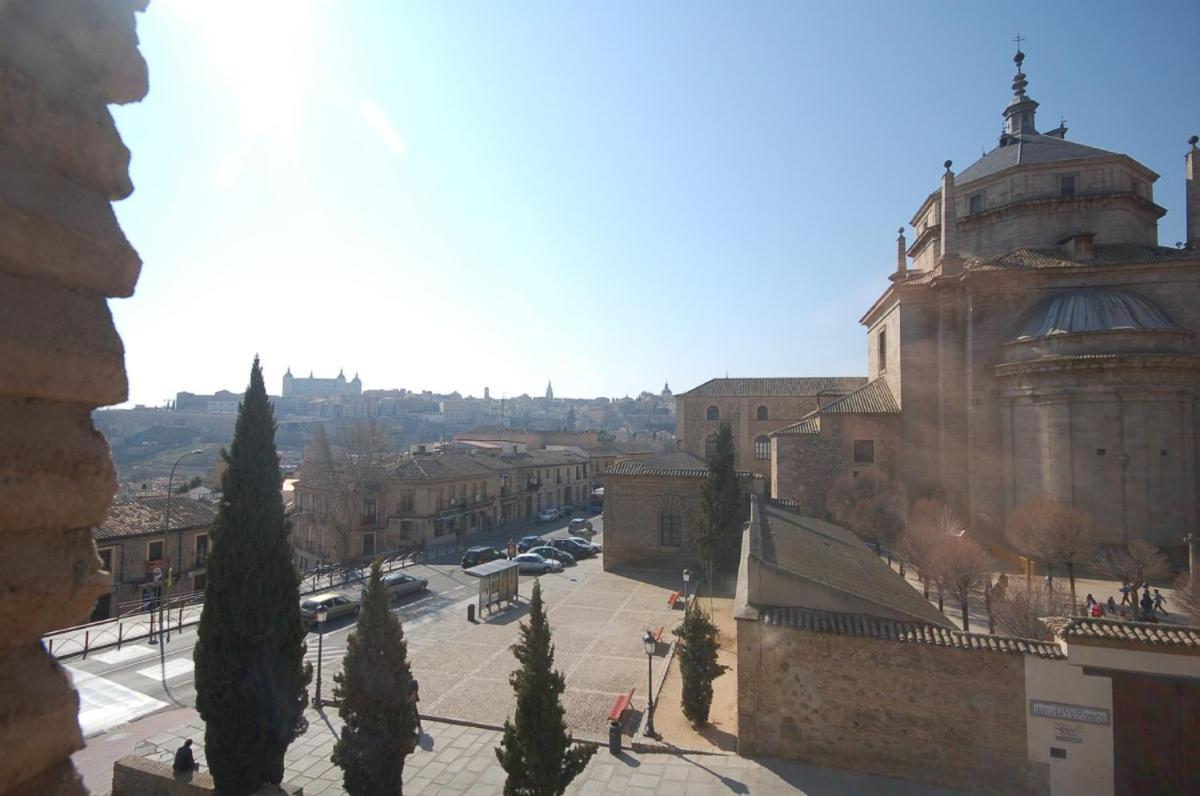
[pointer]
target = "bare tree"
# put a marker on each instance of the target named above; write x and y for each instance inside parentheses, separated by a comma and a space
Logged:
(1133, 562)
(345, 466)
(963, 566)
(1187, 595)
(870, 504)
(1046, 530)
(1019, 611)
(928, 521)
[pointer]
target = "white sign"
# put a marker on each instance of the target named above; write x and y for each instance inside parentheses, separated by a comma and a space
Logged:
(1067, 733)
(1065, 712)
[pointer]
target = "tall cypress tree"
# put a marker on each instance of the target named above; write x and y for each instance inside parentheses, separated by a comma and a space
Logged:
(536, 749)
(722, 509)
(373, 691)
(250, 673)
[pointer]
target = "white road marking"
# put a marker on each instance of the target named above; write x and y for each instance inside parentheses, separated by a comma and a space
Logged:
(129, 653)
(172, 668)
(104, 704)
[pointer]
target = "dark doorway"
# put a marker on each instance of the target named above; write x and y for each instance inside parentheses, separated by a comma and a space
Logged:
(1156, 730)
(103, 609)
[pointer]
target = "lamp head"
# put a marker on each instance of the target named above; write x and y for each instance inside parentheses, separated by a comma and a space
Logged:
(687, 576)
(649, 642)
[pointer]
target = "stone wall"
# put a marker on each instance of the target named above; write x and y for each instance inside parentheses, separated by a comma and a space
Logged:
(946, 716)
(806, 465)
(137, 776)
(632, 510)
(62, 254)
(693, 427)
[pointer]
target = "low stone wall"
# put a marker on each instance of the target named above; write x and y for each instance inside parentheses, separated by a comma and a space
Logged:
(949, 717)
(137, 776)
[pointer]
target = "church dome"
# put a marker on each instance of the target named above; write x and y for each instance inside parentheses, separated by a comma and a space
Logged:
(1092, 310)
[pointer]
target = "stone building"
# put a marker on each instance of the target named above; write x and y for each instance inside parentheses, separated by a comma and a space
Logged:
(320, 388)
(134, 542)
(62, 62)
(841, 663)
(1039, 342)
(652, 510)
(753, 408)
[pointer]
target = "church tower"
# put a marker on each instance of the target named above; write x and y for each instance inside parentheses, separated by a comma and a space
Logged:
(549, 391)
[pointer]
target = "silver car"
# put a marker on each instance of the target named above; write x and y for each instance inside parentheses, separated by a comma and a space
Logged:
(399, 584)
(532, 562)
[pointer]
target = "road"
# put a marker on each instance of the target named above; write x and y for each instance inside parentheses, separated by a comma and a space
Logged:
(140, 679)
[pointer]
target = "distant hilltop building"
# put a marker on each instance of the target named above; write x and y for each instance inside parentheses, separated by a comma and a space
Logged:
(549, 391)
(320, 388)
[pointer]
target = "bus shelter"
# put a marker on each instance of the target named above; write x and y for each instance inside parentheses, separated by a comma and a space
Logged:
(498, 583)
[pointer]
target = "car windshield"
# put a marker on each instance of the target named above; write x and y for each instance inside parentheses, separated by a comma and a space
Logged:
(310, 605)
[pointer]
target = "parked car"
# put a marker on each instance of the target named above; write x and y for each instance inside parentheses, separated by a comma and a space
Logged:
(480, 555)
(400, 584)
(336, 606)
(576, 547)
(581, 527)
(561, 556)
(533, 540)
(532, 562)
(566, 511)
(549, 515)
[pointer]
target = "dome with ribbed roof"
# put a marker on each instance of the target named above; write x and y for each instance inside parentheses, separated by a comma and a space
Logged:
(1092, 310)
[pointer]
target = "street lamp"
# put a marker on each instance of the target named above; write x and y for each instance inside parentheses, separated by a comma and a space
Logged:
(322, 615)
(167, 529)
(687, 578)
(651, 645)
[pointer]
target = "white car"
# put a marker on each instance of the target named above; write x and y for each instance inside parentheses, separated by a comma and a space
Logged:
(549, 515)
(532, 562)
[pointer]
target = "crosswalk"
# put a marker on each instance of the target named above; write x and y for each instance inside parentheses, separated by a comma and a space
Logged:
(104, 704)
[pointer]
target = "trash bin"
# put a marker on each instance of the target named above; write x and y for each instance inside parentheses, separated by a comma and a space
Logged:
(614, 737)
(471, 612)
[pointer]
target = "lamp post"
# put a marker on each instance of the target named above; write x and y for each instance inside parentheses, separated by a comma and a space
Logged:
(687, 578)
(650, 644)
(322, 615)
(167, 529)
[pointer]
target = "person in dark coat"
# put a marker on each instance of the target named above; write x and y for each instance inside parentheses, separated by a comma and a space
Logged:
(414, 691)
(1147, 606)
(185, 763)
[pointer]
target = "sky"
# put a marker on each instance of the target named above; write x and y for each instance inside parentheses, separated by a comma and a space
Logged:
(610, 196)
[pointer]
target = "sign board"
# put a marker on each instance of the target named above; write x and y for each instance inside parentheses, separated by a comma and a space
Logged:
(1064, 712)
(1067, 733)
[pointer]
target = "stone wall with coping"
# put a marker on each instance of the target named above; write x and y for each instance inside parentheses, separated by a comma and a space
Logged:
(948, 717)
(804, 466)
(62, 255)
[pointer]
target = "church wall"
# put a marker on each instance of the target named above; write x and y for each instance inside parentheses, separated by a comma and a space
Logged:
(890, 365)
(918, 395)
(693, 427)
(949, 717)
(805, 465)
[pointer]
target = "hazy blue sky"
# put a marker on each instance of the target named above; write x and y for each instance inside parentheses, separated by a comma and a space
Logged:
(447, 195)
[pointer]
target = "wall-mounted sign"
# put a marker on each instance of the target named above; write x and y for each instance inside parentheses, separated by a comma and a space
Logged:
(1064, 712)
(1067, 733)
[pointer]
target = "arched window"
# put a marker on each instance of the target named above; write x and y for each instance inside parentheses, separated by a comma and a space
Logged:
(762, 448)
(762, 413)
(710, 446)
(713, 413)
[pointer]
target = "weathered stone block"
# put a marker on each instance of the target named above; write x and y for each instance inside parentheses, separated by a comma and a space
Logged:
(48, 582)
(37, 715)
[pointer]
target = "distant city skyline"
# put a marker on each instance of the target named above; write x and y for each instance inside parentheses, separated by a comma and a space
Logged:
(447, 196)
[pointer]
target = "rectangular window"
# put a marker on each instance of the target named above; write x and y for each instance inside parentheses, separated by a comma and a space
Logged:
(154, 551)
(201, 548)
(975, 203)
(864, 451)
(406, 500)
(439, 528)
(106, 559)
(762, 449)
(368, 544)
(670, 530)
(882, 353)
(199, 581)
(370, 511)
(1066, 185)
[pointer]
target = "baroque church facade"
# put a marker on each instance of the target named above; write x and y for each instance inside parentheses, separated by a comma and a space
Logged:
(1034, 339)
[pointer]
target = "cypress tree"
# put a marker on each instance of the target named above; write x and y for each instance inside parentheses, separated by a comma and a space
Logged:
(536, 749)
(250, 673)
(698, 663)
(375, 702)
(723, 508)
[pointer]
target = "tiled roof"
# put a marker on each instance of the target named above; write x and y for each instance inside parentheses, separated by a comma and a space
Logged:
(441, 466)
(1102, 254)
(1083, 629)
(145, 516)
(874, 398)
(903, 632)
(834, 558)
(1028, 148)
(678, 465)
(774, 387)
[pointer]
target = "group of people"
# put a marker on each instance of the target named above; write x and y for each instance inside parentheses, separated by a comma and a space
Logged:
(1145, 610)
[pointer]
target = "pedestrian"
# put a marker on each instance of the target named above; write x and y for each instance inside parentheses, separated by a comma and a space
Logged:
(1125, 598)
(414, 691)
(1088, 603)
(1112, 605)
(512, 550)
(1158, 602)
(184, 763)
(1096, 610)
(1147, 606)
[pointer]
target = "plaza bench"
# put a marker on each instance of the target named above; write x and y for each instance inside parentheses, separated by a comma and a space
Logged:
(673, 599)
(621, 705)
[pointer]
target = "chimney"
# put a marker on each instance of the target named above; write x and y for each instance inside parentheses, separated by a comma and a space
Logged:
(949, 259)
(1192, 169)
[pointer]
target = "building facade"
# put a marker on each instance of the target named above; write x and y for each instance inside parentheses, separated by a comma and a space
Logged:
(320, 388)
(1034, 339)
(140, 552)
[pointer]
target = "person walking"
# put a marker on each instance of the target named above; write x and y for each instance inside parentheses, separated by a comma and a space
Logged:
(1088, 603)
(1112, 606)
(185, 762)
(414, 691)
(1158, 602)
(1147, 606)
(1125, 598)
(511, 550)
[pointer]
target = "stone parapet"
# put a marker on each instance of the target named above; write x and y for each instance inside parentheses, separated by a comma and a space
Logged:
(62, 253)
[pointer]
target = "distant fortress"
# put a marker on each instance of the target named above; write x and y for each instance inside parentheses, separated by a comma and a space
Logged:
(320, 388)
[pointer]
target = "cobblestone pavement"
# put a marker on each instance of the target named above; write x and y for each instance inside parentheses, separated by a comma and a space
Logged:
(458, 759)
